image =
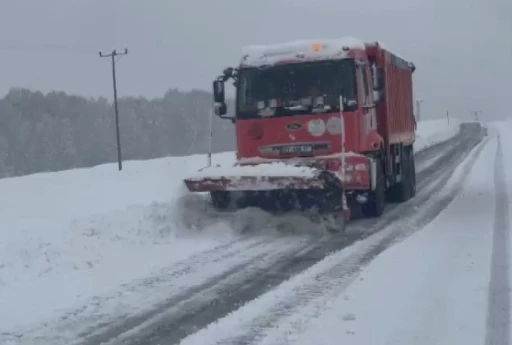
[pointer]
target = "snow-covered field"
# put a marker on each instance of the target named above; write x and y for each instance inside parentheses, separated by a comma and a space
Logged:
(69, 238)
(431, 132)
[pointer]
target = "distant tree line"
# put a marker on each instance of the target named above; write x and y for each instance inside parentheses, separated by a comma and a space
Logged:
(57, 131)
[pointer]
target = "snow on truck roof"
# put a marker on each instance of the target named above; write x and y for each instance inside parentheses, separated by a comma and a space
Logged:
(320, 49)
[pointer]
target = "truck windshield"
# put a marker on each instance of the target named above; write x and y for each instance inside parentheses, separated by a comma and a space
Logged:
(295, 89)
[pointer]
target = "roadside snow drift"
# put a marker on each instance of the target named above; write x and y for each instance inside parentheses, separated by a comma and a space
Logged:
(68, 237)
(434, 131)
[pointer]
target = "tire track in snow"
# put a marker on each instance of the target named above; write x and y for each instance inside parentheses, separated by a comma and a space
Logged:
(498, 309)
(432, 152)
(171, 316)
(343, 268)
(167, 286)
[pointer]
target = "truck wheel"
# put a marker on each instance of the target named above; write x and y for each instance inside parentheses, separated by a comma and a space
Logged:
(412, 172)
(402, 191)
(220, 200)
(376, 203)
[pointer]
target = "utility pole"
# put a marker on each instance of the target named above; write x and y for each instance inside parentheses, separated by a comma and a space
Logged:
(476, 112)
(418, 104)
(113, 55)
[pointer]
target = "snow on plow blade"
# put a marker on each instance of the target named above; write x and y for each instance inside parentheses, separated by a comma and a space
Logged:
(251, 183)
(265, 176)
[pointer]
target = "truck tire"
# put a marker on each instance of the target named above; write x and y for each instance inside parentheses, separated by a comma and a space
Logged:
(221, 200)
(403, 190)
(412, 172)
(376, 203)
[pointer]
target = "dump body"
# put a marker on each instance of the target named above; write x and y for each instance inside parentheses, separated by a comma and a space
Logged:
(396, 122)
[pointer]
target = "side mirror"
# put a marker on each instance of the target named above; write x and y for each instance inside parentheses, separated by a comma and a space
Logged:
(228, 72)
(220, 109)
(379, 92)
(412, 66)
(218, 91)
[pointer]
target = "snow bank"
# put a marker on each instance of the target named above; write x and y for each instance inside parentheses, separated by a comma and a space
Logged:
(431, 132)
(504, 129)
(66, 237)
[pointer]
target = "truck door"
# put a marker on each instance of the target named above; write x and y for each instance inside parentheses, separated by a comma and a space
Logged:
(367, 104)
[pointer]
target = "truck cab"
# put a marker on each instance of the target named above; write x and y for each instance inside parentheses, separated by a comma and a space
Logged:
(309, 98)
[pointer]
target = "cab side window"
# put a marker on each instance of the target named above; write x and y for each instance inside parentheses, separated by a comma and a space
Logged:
(363, 85)
(366, 86)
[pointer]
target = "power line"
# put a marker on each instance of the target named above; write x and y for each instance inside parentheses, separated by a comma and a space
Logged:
(79, 49)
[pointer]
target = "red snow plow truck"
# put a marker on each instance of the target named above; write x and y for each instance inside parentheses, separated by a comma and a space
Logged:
(322, 127)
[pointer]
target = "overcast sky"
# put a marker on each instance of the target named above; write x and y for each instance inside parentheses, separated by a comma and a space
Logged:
(462, 49)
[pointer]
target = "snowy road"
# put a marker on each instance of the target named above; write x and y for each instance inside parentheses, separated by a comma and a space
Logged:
(279, 281)
(253, 279)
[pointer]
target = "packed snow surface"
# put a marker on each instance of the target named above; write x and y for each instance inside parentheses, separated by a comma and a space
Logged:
(74, 240)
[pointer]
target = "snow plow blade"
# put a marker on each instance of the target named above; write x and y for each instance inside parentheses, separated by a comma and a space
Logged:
(251, 183)
(275, 188)
(263, 177)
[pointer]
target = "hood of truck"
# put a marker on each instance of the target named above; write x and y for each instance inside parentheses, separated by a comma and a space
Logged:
(291, 136)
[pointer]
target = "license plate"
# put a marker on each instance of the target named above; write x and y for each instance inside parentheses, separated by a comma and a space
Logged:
(296, 148)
